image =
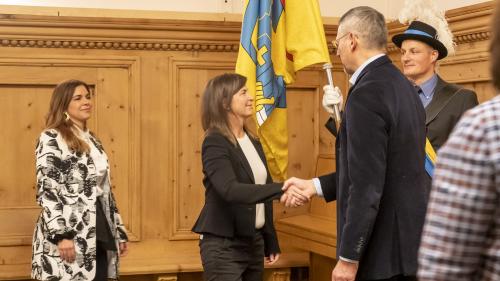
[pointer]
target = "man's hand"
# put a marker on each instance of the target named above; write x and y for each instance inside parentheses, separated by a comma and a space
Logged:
(297, 192)
(66, 249)
(332, 96)
(344, 271)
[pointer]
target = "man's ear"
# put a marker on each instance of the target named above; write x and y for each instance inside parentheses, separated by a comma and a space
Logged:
(354, 41)
(434, 55)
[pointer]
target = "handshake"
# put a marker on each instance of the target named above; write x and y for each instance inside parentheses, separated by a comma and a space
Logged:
(297, 192)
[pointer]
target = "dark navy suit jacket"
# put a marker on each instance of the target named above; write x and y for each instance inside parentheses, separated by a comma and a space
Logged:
(379, 184)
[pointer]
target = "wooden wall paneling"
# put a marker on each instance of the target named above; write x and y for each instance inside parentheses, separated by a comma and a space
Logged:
(321, 267)
(277, 275)
(484, 90)
(189, 80)
(27, 95)
(25, 99)
(302, 108)
(25, 105)
(118, 117)
(160, 68)
(156, 135)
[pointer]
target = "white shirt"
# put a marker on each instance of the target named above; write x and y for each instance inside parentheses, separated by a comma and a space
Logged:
(100, 161)
(259, 173)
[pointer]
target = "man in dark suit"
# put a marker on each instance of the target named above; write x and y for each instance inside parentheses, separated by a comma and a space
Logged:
(380, 160)
(444, 102)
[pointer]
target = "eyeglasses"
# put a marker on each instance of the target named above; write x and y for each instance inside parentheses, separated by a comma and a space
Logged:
(337, 41)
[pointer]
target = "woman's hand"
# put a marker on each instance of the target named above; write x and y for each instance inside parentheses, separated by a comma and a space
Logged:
(272, 258)
(66, 249)
(123, 249)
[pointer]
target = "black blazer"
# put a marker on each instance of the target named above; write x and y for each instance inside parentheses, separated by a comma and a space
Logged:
(231, 193)
(449, 103)
(379, 183)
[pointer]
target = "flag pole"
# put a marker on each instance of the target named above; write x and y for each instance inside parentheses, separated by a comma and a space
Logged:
(328, 68)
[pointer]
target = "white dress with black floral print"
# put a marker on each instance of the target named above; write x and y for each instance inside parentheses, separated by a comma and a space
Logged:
(66, 191)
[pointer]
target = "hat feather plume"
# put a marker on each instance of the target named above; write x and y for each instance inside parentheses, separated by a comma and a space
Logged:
(428, 12)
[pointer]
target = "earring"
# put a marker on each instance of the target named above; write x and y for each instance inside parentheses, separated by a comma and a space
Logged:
(66, 116)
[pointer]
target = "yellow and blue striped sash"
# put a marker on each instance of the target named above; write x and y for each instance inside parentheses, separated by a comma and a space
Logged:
(430, 157)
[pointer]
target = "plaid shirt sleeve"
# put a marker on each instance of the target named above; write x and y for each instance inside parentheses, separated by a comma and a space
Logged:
(461, 236)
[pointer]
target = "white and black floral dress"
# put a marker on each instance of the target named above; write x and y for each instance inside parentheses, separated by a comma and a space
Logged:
(67, 189)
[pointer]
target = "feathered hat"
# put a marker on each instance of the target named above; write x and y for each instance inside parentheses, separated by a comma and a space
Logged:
(427, 24)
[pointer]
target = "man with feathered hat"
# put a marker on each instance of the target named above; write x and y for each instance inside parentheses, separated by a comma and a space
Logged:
(426, 41)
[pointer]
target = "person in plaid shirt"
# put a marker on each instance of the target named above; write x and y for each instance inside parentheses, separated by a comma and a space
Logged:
(461, 236)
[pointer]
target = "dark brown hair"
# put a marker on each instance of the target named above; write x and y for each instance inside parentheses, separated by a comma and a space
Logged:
(216, 102)
(56, 117)
(495, 48)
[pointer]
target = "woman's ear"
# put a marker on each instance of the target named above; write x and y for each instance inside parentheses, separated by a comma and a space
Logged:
(226, 105)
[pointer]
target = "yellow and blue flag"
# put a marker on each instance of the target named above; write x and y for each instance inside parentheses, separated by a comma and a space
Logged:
(278, 38)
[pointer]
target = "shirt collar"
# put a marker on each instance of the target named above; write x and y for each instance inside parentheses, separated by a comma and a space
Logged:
(429, 86)
(356, 74)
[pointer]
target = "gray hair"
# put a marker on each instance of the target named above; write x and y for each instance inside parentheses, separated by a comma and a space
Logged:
(368, 24)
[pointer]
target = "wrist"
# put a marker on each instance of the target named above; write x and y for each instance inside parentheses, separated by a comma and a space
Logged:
(56, 238)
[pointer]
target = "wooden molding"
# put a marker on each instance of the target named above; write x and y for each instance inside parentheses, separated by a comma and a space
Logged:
(34, 31)
(119, 45)
(281, 275)
(310, 233)
(167, 277)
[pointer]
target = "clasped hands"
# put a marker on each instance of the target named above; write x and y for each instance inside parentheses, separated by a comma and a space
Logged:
(297, 192)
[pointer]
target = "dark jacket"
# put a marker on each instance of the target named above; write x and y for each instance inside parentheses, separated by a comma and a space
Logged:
(448, 104)
(231, 193)
(379, 183)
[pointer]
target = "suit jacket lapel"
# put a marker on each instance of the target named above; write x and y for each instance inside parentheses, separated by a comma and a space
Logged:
(442, 95)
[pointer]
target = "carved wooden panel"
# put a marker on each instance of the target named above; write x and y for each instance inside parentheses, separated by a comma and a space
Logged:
(189, 78)
(148, 75)
(27, 84)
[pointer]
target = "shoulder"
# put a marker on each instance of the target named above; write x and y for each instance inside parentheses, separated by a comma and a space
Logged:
(481, 121)
(215, 139)
(49, 135)
(50, 141)
(214, 136)
(460, 90)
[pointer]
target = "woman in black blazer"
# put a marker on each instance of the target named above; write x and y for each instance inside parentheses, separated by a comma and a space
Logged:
(236, 222)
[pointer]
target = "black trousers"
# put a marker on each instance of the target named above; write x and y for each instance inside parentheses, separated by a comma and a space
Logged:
(232, 259)
(101, 273)
(104, 241)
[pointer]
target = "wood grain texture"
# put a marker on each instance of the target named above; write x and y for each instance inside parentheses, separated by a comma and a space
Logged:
(148, 75)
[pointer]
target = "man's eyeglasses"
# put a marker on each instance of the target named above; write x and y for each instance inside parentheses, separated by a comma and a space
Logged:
(337, 41)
